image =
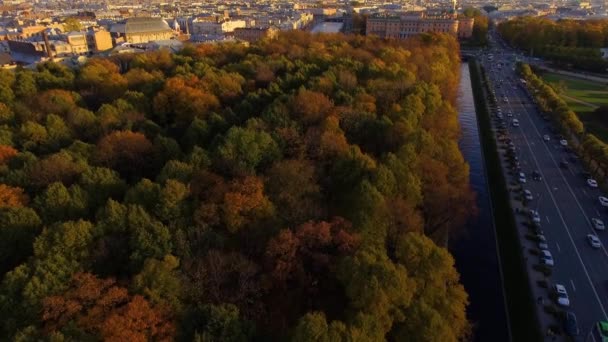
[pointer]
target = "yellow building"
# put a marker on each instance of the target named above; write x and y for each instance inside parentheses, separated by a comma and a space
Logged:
(100, 40)
(142, 30)
(29, 31)
(408, 25)
(78, 42)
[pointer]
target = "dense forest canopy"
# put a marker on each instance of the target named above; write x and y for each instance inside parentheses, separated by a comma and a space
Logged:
(295, 189)
(568, 42)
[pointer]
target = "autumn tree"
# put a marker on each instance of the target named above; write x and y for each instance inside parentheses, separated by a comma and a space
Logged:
(125, 151)
(438, 309)
(311, 107)
(101, 309)
(6, 153)
(292, 186)
(100, 81)
(11, 197)
(183, 100)
(59, 167)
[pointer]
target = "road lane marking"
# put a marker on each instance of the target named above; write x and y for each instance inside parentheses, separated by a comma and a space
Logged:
(559, 213)
(585, 192)
(597, 212)
(548, 221)
(559, 250)
(573, 287)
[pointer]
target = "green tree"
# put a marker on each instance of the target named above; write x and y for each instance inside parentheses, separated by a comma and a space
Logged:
(18, 228)
(25, 84)
(72, 24)
(58, 203)
(159, 281)
(438, 309)
(101, 184)
(149, 238)
(243, 150)
(221, 323)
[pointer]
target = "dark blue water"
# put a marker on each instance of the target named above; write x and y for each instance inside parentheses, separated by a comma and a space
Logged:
(475, 250)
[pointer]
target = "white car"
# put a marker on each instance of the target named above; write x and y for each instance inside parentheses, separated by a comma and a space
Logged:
(603, 201)
(534, 216)
(515, 123)
(522, 177)
(562, 295)
(528, 195)
(546, 137)
(509, 114)
(546, 258)
(563, 142)
(594, 241)
(543, 246)
(598, 224)
(592, 182)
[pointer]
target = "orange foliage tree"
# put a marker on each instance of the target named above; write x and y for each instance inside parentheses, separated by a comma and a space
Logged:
(6, 153)
(101, 308)
(125, 151)
(12, 197)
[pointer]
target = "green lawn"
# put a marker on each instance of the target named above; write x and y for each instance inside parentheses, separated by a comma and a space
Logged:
(587, 91)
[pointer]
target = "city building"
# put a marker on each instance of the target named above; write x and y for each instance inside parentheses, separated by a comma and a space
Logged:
(215, 26)
(252, 34)
(99, 40)
(404, 26)
(141, 30)
(78, 42)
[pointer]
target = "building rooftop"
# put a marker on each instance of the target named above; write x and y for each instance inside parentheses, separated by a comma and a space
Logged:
(141, 25)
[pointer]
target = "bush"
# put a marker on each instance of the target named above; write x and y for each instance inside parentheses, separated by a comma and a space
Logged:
(542, 284)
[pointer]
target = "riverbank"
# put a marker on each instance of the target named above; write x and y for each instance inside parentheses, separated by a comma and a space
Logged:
(524, 324)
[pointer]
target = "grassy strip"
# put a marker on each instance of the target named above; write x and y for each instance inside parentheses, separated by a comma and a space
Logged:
(520, 301)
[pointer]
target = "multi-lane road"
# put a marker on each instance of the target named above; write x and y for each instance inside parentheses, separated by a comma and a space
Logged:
(565, 202)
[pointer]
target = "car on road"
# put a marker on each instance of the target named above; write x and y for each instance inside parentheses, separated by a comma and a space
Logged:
(522, 178)
(528, 195)
(546, 258)
(515, 123)
(570, 324)
(546, 137)
(563, 164)
(536, 176)
(561, 295)
(598, 224)
(592, 182)
(563, 142)
(594, 241)
(603, 201)
(543, 246)
(534, 215)
(540, 238)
